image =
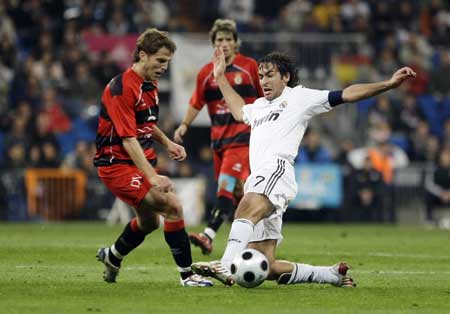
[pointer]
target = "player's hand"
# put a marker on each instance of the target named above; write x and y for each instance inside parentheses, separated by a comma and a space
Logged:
(401, 75)
(179, 133)
(219, 62)
(161, 183)
(176, 152)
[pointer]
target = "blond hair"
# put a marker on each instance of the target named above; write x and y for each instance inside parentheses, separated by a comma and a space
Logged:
(223, 25)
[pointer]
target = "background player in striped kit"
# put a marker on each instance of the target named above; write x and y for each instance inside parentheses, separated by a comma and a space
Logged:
(229, 138)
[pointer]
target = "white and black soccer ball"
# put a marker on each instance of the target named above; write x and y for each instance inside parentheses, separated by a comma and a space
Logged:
(250, 268)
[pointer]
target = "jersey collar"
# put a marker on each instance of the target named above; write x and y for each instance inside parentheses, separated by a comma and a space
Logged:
(285, 91)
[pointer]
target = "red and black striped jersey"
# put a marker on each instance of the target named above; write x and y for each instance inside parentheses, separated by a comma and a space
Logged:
(129, 109)
(243, 76)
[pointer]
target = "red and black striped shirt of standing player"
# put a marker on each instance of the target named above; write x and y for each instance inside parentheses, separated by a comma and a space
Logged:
(242, 73)
(129, 109)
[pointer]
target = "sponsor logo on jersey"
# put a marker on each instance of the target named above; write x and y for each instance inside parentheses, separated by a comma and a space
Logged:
(271, 116)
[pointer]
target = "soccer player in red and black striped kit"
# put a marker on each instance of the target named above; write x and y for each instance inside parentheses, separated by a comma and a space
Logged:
(126, 158)
(229, 138)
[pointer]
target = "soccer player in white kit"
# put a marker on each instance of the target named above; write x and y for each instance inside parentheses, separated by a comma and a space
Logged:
(278, 122)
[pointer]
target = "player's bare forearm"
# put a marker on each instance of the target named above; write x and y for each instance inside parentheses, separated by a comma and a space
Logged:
(160, 137)
(134, 150)
(233, 100)
(362, 91)
(190, 116)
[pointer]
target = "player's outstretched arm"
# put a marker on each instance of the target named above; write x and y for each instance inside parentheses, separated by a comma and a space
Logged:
(361, 91)
(190, 116)
(234, 101)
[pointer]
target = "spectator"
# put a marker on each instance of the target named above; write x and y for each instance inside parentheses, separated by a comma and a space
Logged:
(151, 12)
(104, 68)
(240, 11)
(354, 13)
(118, 25)
(437, 185)
(385, 158)
(58, 121)
(312, 150)
(84, 88)
(366, 188)
(419, 139)
(15, 156)
(382, 112)
(440, 76)
(410, 114)
(293, 15)
(50, 155)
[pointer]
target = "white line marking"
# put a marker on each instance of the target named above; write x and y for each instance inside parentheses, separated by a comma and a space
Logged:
(400, 272)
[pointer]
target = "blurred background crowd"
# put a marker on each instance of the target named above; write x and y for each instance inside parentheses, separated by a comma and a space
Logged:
(50, 89)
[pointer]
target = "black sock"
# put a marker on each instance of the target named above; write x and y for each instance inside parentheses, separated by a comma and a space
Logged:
(180, 247)
(223, 209)
(130, 238)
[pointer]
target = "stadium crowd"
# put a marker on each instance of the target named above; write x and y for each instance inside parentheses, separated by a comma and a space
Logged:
(50, 85)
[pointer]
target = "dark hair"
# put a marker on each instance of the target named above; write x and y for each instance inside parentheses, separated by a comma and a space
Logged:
(223, 25)
(284, 65)
(151, 40)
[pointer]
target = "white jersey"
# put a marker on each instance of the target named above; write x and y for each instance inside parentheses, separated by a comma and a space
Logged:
(278, 126)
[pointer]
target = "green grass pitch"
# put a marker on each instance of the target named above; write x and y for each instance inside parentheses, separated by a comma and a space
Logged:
(51, 268)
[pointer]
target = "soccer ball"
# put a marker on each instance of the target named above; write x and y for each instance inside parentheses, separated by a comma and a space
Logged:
(250, 268)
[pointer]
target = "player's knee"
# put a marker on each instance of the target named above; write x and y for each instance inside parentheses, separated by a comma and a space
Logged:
(174, 210)
(252, 207)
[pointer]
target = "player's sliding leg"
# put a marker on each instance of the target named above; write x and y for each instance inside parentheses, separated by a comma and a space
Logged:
(132, 236)
(305, 273)
(285, 272)
(252, 208)
(224, 207)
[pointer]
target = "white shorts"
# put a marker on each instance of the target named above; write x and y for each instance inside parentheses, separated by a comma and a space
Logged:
(277, 182)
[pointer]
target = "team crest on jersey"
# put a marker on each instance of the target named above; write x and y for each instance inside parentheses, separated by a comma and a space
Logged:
(283, 104)
(238, 79)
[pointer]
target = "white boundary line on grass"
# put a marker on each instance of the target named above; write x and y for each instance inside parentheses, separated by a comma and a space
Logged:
(384, 254)
(401, 272)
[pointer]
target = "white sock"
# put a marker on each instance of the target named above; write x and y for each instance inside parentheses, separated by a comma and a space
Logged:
(304, 273)
(114, 251)
(240, 233)
(210, 233)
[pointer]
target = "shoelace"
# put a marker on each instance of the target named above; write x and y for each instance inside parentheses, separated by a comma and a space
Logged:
(196, 278)
(219, 269)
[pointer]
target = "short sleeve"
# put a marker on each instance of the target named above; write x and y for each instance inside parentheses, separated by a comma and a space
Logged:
(247, 114)
(198, 96)
(316, 101)
(121, 111)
